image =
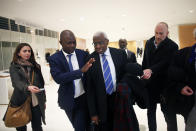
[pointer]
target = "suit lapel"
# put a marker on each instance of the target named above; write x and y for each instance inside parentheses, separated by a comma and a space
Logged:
(63, 60)
(79, 58)
(97, 69)
(97, 63)
(129, 54)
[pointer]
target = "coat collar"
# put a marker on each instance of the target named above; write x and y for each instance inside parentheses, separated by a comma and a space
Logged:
(161, 45)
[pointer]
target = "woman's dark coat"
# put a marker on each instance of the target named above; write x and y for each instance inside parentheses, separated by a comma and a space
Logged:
(20, 84)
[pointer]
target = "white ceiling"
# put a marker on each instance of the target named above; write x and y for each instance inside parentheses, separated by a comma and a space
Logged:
(130, 19)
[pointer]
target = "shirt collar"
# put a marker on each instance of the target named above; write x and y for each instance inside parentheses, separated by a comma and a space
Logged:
(107, 52)
(66, 54)
(155, 44)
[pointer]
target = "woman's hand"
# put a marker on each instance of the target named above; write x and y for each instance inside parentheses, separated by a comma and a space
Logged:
(33, 89)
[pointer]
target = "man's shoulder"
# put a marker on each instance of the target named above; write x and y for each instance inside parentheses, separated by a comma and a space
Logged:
(93, 54)
(55, 55)
(170, 41)
(185, 49)
(130, 51)
(116, 50)
(150, 41)
(79, 50)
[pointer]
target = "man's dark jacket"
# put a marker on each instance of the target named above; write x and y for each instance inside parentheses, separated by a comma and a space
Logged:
(158, 59)
(181, 73)
(96, 91)
(131, 57)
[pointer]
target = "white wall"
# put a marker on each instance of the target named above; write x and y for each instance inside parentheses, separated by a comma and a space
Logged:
(89, 45)
(173, 33)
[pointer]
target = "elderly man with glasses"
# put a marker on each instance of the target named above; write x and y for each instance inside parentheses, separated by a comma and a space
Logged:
(102, 78)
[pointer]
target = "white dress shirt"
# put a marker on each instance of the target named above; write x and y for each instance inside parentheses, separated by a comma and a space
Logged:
(156, 45)
(126, 51)
(79, 89)
(111, 65)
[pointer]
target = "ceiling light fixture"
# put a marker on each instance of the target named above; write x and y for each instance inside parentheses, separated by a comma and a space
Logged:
(82, 18)
(123, 28)
(191, 11)
(123, 15)
(62, 20)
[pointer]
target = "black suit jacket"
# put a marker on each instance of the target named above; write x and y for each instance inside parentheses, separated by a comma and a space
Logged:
(96, 92)
(158, 60)
(131, 57)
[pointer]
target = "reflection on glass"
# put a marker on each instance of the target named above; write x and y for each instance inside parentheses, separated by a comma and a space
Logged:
(7, 54)
(1, 61)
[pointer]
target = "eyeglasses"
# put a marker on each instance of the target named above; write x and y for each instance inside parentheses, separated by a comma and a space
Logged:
(98, 43)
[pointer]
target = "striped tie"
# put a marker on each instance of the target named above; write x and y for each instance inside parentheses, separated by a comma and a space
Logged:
(71, 68)
(107, 75)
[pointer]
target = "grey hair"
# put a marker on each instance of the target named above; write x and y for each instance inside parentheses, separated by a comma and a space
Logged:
(99, 33)
(163, 23)
(194, 32)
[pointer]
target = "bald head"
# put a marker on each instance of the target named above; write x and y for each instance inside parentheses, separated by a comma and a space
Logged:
(65, 34)
(68, 41)
(164, 24)
(122, 43)
(161, 32)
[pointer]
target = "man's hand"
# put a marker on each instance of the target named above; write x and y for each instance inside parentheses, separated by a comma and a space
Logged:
(95, 119)
(87, 65)
(147, 73)
(33, 89)
(186, 91)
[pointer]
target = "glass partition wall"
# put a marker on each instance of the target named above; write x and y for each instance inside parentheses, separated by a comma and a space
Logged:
(10, 39)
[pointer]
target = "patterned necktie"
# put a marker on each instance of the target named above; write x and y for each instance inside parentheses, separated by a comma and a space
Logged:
(71, 68)
(107, 75)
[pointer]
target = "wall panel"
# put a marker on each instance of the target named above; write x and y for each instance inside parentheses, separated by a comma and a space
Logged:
(186, 35)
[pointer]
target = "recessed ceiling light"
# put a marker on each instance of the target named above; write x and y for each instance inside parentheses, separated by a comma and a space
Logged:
(191, 11)
(123, 15)
(62, 20)
(123, 28)
(82, 18)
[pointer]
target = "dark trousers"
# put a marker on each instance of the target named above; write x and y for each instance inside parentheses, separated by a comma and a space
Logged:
(170, 117)
(78, 116)
(36, 123)
(108, 125)
(151, 114)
